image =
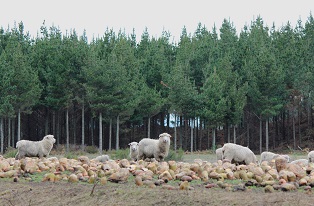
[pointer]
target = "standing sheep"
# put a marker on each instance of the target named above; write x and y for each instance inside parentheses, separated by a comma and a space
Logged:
(310, 156)
(154, 148)
(219, 154)
(39, 149)
(133, 151)
(238, 154)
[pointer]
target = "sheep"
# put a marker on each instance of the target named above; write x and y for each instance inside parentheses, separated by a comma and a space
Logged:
(102, 158)
(303, 162)
(133, 151)
(268, 156)
(238, 154)
(154, 148)
(39, 149)
(310, 156)
(219, 154)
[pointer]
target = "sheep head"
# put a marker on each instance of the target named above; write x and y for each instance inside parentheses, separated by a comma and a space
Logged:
(133, 146)
(50, 138)
(165, 138)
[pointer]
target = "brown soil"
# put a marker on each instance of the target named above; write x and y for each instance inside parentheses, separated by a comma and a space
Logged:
(63, 193)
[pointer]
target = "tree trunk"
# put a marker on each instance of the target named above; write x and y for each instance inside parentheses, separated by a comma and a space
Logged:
(208, 132)
(299, 125)
(83, 125)
(92, 130)
(9, 132)
(195, 134)
(148, 127)
(58, 128)
(100, 133)
(46, 122)
(293, 130)
(175, 132)
(110, 133)
(266, 134)
(229, 137)
(19, 126)
(117, 133)
(248, 130)
(200, 135)
(67, 130)
(192, 125)
(1, 134)
(185, 134)
(181, 133)
(234, 134)
(54, 122)
(308, 109)
(214, 139)
(288, 128)
(74, 128)
(260, 135)
(13, 133)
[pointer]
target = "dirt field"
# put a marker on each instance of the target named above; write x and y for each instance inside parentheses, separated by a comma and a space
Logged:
(61, 193)
(26, 193)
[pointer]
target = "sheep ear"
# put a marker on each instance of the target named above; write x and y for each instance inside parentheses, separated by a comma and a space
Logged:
(129, 144)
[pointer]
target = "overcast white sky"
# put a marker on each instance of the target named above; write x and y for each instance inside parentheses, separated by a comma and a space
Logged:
(157, 15)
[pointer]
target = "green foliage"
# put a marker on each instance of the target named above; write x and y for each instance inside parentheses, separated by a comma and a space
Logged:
(91, 149)
(175, 155)
(220, 78)
(120, 154)
(10, 152)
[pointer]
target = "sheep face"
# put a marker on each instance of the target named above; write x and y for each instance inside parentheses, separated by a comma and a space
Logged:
(165, 138)
(133, 146)
(50, 138)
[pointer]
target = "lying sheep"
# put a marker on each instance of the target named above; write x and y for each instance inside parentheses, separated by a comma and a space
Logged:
(268, 156)
(133, 151)
(39, 149)
(219, 154)
(302, 162)
(102, 158)
(238, 154)
(154, 148)
(310, 156)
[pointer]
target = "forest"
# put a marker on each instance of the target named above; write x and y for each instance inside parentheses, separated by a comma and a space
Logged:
(251, 87)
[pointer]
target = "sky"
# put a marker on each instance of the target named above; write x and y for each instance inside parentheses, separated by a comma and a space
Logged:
(95, 16)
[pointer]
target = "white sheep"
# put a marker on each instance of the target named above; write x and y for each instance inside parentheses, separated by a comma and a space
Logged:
(238, 154)
(154, 148)
(310, 156)
(268, 156)
(39, 149)
(133, 151)
(302, 162)
(219, 154)
(102, 158)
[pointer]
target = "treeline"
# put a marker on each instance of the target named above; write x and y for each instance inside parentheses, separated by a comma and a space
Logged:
(213, 86)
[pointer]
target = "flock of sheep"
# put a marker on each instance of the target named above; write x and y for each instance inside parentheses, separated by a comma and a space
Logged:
(243, 155)
(158, 149)
(147, 159)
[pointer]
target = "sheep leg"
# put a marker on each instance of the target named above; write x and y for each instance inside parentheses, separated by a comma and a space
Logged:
(17, 155)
